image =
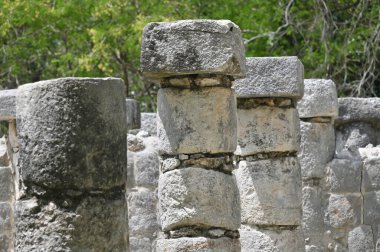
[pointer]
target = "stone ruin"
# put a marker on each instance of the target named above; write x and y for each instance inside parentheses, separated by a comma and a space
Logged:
(243, 154)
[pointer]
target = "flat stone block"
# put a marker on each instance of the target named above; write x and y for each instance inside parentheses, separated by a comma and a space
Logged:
(272, 77)
(343, 176)
(146, 168)
(8, 104)
(270, 191)
(316, 149)
(271, 240)
(192, 47)
(6, 184)
(196, 121)
(196, 196)
(133, 114)
(344, 210)
(149, 123)
(198, 244)
(267, 129)
(312, 214)
(371, 175)
(6, 218)
(319, 100)
(360, 239)
(358, 109)
(72, 133)
(372, 208)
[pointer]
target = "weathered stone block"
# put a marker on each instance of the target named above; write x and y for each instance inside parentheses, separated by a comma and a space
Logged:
(371, 175)
(371, 208)
(312, 214)
(316, 149)
(192, 47)
(360, 239)
(146, 168)
(197, 244)
(137, 244)
(272, 77)
(358, 109)
(149, 123)
(6, 184)
(6, 217)
(253, 127)
(319, 100)
(4, 158)
(196, 196)
(133, 114)
(6, 243)
(8, 104)
(197, 121)
(344, 210)
(270, 191)
(343, 176)
(72, 133)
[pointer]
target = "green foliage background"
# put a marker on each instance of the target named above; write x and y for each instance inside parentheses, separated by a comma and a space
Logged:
(45, 39)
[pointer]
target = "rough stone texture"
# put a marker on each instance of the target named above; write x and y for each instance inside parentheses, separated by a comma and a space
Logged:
(65, 126)
(8, 104)
(133, 114)
(4, 160)
(6, 216)
(344, 210)
(46, 226)
(6, 184)
(372, 208)
(192, 47)
(198, 244)
(140, 244)
(196, 196)
(270, 191)
(149, 123)
(254, 124)
(360, 239)
(316, 149)
(371, 175)
(343, 176)
(146, 169)
(358, 109)
(271, 240)
(320, 99)
(272, 77)
(181, 130)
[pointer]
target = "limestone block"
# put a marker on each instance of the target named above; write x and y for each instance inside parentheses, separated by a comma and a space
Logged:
(272, 77)
(6, 243)
(192, 47)
(319, 100)
(312, 214)
(344, 210)
(8, 104)
(198, 244)
(371, 208)
(4, 158)
(6, 217)
(360, 239)
(130, 170)
(149, 123)
(146, 168)
(270, 191)
(142, 213)
(358, 109)
(133, 114)
(271, 240)
(316, 149)
(196, 121)
(92, 224)
(343, 176)
(6, 184)
(371, 175)
(137, 244)
(267, 129)
(196, 196)
(72, 133)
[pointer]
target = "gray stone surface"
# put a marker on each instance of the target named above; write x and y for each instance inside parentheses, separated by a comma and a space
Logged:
(72, 133)
(360, 239)
(316, 149)
(270, 191)
(254, 124)
(196, 121)
(4, 159)
(358, 109)
(149, 123)
(198, 244)
(6, 217)
(343, 176)
(371, 175)
(371, 208)
(319, 100)
(196, 196)
(146, 169)
(140, 244)
(192, 47)
(133, 114)
(344, 210)
(6, 184)
(272, 77)
(8, 104)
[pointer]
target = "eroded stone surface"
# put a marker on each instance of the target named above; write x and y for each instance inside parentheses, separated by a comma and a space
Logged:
(6, 184)
(146, 169)
(149, 123)
(198, 244)
(133, 114)
(360, 239)
(371, 208)
(343, 176)
(344, 210)
(8, 104)
(371, 175)
(358, 109)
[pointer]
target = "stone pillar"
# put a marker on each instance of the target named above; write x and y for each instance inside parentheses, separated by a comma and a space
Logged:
(317, 110)
(269, 174)
(133, 114)
(72, 139)
(194, 62)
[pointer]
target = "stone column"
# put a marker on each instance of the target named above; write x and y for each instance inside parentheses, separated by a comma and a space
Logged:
(133, 114)
(269, 174)
(194, 62)
(317, 110)
(72, 139)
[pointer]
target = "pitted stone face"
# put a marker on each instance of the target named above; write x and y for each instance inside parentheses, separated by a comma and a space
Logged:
(192, 47)
(358, 110)
(8, 104)
(271, 77)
